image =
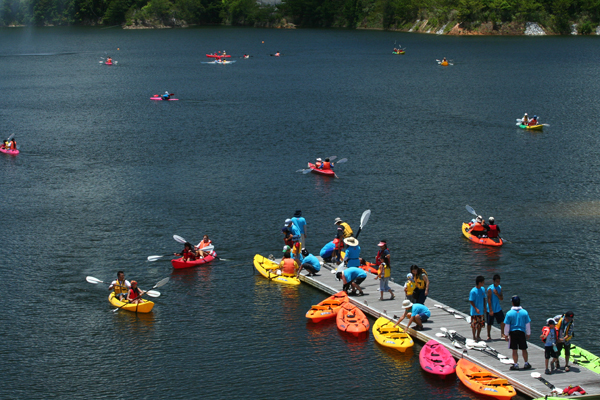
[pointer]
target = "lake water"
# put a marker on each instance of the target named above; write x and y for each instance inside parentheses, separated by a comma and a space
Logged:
(106, 177)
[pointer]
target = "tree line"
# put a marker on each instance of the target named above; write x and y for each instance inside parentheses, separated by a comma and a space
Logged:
(558, 16)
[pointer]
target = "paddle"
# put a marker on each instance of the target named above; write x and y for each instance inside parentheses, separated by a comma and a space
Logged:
(538, 376)
(363, 221)
(95, 281)
(156, 258)
(160, 283)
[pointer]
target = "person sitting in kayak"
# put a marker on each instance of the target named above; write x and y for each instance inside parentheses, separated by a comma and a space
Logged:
(188, 253)
(318, 163)
(13, 144)
(166, 96)
(277, 54)
(135, 293)
(246, 56)
(4, 145)
(204, 243)
(533, 121)
(493, 230)
(121, 286)
(109, 60)
(288, 266)
(477, 229)
(326, 164)
(444, 60)
(525, 119)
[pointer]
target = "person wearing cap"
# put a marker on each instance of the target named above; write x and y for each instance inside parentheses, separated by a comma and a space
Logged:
(549, 336)
(288, 266)
(300, 223)
(492, 230)
(494, 296)
(347, 231)
(517, 328)
(205, 242)
(352, 277)
(120, 285)
(566, 331)
(319, 163)
(477, 229)
(477, 300)
(326, 164)
(383, 254)
(309, 263)
(293, 231)
(135, 293)
(416, 313)
(352, 258)
(525, 119)
(421, 290)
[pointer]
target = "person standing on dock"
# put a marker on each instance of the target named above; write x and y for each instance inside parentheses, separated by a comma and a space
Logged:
(421, 290)
(352, 258)
(477, 300)
(416, 313)
(494, 295)
(300, 223)
(517, 328)
(383, 274)
(347, 232)
(383, 255)
(295, 232)
(564, 325)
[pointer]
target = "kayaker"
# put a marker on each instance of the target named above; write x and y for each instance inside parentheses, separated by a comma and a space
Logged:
(416, 313)
(326, 252)
(300, 223)
(525, 119)
(13, 144)
(517, 328)
(347, 232)
(352, 257)
(204, 243)
(477, 300)
(383, 274)
(352, 278)
(288, 266)
(533, 121)
(477, 229)
(135, 293)
(246, 56)
(550, 336)
(566, 331)
(494, 296)
(188, 253)
(326, 164)
(4, 144)
(421, 290)
(444, 60)
(109, 60)
(120, 286)
(277, 54)
(383, 254)
(309, 263)
(166, 96)
(493, 230)
(318, 163)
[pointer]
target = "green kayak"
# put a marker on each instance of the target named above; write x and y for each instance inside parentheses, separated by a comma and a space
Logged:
(585, 359)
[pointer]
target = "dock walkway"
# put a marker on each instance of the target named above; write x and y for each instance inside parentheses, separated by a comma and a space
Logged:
(521, 380)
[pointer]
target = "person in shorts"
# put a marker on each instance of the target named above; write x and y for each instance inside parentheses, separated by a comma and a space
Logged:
(477, 300)
(416, 313)
(352, 278)
(494, 309)
(517, 328)
(549, 336)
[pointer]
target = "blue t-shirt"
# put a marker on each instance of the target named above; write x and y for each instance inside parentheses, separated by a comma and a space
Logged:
(327, 250)
(418, 308)
(295, 232)
(477, 296)
(312, 260)
(354, 273)
(352, 255)
(300, 222)
(495, 300)
(517, 319)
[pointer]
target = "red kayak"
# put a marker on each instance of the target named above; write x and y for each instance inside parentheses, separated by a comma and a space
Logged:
(108, 63)
(327, 172)
(178, 263)
(160, 98)
(217, 56)
(9, 151)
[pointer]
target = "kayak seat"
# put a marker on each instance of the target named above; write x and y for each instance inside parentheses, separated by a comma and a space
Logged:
(320, 308)
(481, 375)
(388, 330)
(498, 382)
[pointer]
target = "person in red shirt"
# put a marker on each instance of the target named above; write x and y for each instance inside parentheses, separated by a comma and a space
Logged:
(188, 253)
(135, 293)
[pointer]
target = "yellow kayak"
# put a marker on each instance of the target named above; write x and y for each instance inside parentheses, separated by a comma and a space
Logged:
(264, 265)
(444, 63)
(532, 127)
(388, 335)
(144, 307)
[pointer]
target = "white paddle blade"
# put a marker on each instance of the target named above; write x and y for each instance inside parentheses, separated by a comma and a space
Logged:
(179, 239)
(439, 334)
(365, 218)
(536, 375)
(343, 160)
(471, 210)
(507, 361)
(93, 280)
(154, 258)
(306, 171)
(332, 158)
(207, 248)
(438, 305)
(468, 319)
(458, 346)
(153, 293)
(457, 316)
(443, 329)
(163, 282)
(451, 310)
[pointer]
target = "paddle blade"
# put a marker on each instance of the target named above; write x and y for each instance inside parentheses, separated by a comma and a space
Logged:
(179, 239)
(470, 210)
(439, 334)
(306, 171)
(207, 248)
(365, 218)
(153, 293)
(93, 280)
(163, 282)
(332, 158)
(154, 258)
(343, 160)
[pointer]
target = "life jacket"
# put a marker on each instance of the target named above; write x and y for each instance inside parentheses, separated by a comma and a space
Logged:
(566, 329)
(410, 287)
(574, 389)
(120, 288)
(188, 255)
(477, 227)
(338, 244)
(532, 122)
(420, 283)
(13, 145)
(347, 230)
(204, 244)
(378, 260)
(525, 120)
(492, 231)
(546, 333)
(387, 271)
(326, 165)
(133, 294)
(289, 266)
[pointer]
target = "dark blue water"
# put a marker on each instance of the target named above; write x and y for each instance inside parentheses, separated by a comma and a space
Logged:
(106, 177)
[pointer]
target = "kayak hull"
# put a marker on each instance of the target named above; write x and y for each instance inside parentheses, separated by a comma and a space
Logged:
(326, 172)
(585, 359)
(436, 359)
(178, 263)
(388, 335)
(161, 99)
(352, 320)
(532, 127)
(108, 63)
(144, 307)
(483, 382)
(328, 308)
(9, 151)
(444, 63)
(217, 56)
(484, 240)
(264, 266)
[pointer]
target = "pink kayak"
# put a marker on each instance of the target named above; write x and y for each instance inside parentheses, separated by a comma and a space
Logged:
(160, 98)
(328, 172)
(9, 151)
(178, 263)
(108, 63)
(217, 56)
(436, 359)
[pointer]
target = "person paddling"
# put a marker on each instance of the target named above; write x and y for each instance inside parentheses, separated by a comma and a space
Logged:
(13, 144)
(326, 164)
(493, 230)
(188, 253)
(109, 60)
(525, 119)
(533, 121)
(477, 229)
(121, 286)
(204, 243)
(135, 293)
(166, 96)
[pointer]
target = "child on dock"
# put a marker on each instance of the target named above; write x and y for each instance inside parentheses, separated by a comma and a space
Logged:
(549, 336)
(409, 286)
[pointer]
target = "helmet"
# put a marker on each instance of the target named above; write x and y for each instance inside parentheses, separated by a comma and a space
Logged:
(491, 220)
(318, 159)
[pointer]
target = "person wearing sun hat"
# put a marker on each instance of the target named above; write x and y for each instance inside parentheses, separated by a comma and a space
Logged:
(416, 313)
(352, 258)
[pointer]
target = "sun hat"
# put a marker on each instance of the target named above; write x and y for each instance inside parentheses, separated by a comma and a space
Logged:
(569, 314)
(382, 243)
(351, 241)
(318, 159)
(407, 304)
(133, 283)
(338, 219)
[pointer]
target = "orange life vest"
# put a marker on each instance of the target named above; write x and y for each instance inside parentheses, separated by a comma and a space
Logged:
(478, 227)
(288, 266)
(204, 244)
(326, 165)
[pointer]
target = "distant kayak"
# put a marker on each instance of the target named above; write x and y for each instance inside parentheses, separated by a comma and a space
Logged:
(179, 263)
(532, 127)
(108, 63)
(9, 151)
(145, 306)
(444, 63)
(398, 52)
(217, 56)
(486, 241)
(160, 98)
(328, 172)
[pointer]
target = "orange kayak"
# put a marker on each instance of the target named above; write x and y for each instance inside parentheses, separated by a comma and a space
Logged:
(486, 241)
(328, 308)
(483, 382)
(352, 320)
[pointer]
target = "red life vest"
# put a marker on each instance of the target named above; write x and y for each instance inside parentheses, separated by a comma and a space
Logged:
(326, 165)
(13, 145)
(492, 231)
(289, 266)
(478, 227)
(188, 255)
(133, 294)
(204, 244)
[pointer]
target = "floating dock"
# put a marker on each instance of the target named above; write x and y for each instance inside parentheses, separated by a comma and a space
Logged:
(521, 380)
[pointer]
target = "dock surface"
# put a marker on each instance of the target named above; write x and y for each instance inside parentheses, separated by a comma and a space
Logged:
(521, 380)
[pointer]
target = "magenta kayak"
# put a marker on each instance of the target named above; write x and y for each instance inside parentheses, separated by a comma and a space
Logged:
(9, 151)
(436, 359)
(108, 63)
(179, 263)
(160, 98)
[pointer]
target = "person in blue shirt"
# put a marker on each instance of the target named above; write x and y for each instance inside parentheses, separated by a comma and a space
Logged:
(494, 309)
(293, 229)
(352, 257)
(352, 277)
(327, 251)
(477, 300)
(416, 313)
(517, 328)
(300, 222)
(309, 263)
(166, 96)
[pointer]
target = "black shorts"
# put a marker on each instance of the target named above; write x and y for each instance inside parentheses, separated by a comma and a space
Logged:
(567, 348)
(549, 352)
(358, 281)
(498, 316)
(517, 340)
(309, 268)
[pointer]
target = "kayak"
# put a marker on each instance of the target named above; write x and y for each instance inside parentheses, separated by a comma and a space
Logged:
(328, 308)
(444, 63)
(388, 335)
(264, 265)
(178, 263)
(327, 172)
(160, 98)
(108, 63)
(483, 382)
(144, 307)
(532, 127)
(398, 52)
(9, 151)
(585, 359)
(352, 320)
(217, 56)
(436, 359)
(486, 241)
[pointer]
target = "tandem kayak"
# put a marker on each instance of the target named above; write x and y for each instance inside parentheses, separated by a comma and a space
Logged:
(436, 359)
(264, 266)
(160, 98)
(144, 307)
(532, 127)
(326, 172)
(328, 308)
(178, 263)
(585, 359)
(483, 382)
(388, 335)
(217, 56)
(486, 241)
(398, 52)
(352, 320)
(9, 151)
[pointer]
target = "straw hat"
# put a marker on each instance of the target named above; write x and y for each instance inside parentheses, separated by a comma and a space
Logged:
(351, 241)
